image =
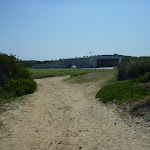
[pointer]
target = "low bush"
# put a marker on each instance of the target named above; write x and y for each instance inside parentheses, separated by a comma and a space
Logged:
(14, 77)
(10, 67)
(125, 90)
(133, 68)
(142, 79)
(20, 86)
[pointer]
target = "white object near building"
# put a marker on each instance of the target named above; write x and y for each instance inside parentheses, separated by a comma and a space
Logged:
(74, 67)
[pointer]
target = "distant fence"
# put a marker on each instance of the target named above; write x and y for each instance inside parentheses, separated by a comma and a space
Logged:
(37, 73)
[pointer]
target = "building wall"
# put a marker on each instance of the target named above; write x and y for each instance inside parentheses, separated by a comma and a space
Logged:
(79, 62)
(108, 61)
(92, 62)
(84, 62)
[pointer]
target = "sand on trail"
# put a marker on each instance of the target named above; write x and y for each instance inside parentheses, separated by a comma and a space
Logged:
(62, 116)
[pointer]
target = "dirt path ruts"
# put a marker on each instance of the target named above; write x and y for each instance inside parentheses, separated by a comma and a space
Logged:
(63, 116)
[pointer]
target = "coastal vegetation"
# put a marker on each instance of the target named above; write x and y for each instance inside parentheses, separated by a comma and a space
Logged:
(15, 79)
(128, 84)
(131, 88)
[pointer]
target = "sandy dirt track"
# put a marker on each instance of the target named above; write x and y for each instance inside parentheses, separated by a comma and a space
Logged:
(62, 116)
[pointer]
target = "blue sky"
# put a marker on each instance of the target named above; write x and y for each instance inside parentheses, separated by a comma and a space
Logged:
(53, 29)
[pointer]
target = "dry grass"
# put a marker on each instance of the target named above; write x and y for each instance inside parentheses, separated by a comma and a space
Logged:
(141, 108)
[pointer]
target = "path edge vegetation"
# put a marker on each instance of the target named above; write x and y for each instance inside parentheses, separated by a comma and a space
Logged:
(131, 89)
(15, 79)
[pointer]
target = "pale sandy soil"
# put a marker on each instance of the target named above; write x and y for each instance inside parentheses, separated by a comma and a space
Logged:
(62, 116)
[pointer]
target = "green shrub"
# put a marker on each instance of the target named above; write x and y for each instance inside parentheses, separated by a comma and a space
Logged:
(142, 79)
(124, 90)
(10, 67)
(133, 68)
(21, 86)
